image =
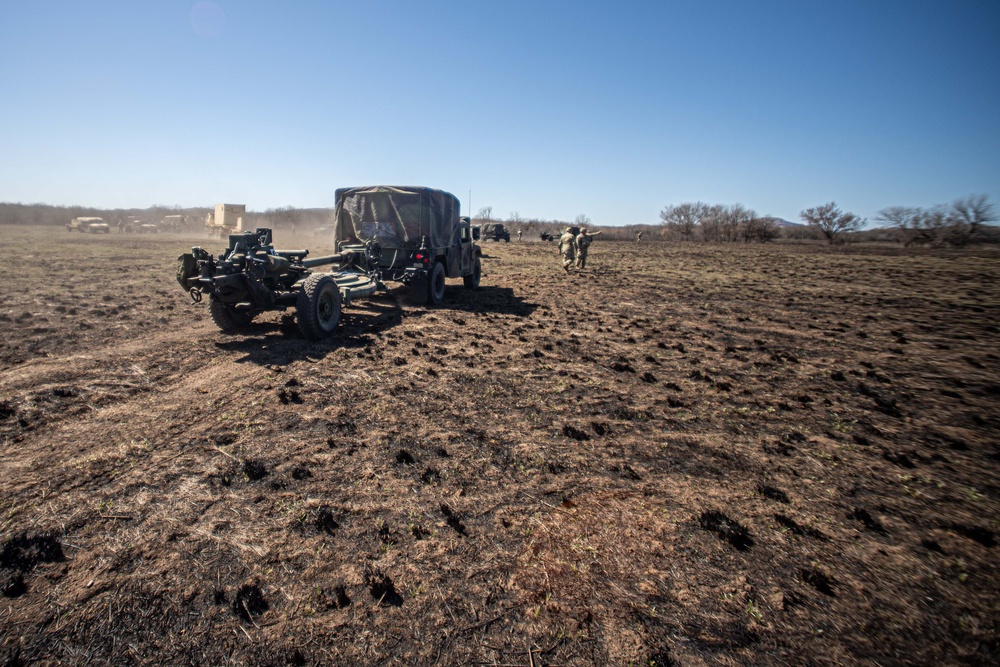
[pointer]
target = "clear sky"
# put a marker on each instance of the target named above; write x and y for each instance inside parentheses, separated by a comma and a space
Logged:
(549, 108)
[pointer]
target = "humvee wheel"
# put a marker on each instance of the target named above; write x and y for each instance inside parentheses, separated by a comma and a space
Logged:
(435, 285)
(228, 318)
(472, 280)
(318, 307)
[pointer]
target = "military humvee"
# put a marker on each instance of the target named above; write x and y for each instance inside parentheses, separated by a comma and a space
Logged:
(88, 225)
(412, 235)
(494, 231)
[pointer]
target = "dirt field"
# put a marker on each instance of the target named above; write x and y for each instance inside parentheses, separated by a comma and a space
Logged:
(780, 455)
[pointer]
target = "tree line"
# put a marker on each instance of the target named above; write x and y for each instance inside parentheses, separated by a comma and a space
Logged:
(285, 217)
(718, 223)
(47, 214)
(961, 222)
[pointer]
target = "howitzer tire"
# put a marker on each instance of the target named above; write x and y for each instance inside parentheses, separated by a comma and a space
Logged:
(472, 280)
(228, 318)
(435, 285)
(318, 307)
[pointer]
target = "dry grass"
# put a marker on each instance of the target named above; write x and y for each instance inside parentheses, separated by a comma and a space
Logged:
(684, 455)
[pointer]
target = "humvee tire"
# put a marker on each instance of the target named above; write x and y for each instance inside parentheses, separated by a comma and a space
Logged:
(318, 306)
(472, 280)
(435, 285)
(227, 318)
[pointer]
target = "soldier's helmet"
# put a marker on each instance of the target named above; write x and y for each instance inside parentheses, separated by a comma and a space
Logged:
(568, 229)
(583, 230)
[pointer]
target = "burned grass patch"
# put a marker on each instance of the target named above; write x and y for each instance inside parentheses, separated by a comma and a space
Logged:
(23, 552)
(249, 603)
(765, 400)
(727, 530)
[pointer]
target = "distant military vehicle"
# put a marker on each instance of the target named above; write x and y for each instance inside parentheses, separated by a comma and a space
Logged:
(495, 231)
(410, 235)
(149, 228)
(88, 225)
(173, 223)
(226, 219)
(554, 236)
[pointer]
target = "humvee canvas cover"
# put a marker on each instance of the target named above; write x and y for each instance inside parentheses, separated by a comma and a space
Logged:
(396, 217)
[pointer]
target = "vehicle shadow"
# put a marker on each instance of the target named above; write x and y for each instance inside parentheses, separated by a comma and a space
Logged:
(280, 343)
(487, 299)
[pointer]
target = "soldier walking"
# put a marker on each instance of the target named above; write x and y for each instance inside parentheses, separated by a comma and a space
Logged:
(567, 248)
(638, 236)
(583, 242)
(518, 235)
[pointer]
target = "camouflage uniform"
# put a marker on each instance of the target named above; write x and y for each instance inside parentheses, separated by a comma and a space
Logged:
(519, 236)
(567, 247)
(582, 244)
(638, 237)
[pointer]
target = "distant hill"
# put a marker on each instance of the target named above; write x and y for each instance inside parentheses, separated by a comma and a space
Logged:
(785, 223)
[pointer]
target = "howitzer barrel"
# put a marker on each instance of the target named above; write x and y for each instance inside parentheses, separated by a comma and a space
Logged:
(341, 257)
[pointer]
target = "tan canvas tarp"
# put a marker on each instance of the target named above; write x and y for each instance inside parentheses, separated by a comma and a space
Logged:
(396, 217)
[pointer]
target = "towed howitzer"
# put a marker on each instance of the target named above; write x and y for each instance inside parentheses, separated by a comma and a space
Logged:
(410, 235)
(251, 276)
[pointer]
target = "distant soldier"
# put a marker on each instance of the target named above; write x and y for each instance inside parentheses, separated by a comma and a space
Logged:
(121, 226)
(638, 236)
(519, 236)
(583, 242)
(567, 248)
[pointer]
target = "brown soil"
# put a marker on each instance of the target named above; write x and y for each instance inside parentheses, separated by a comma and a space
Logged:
(680, 456)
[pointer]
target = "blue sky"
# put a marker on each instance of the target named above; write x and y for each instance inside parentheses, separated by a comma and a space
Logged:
(547, 108)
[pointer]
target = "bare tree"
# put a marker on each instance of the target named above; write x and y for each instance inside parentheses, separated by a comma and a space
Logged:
(711, 223)
(972, 213)
(732, 220)
(906, 219)
(683, 218)
(897, 216)
(831, 221)
(760, 229)
(515, 218)
(931, 225)
(485, 214)
(582, 221)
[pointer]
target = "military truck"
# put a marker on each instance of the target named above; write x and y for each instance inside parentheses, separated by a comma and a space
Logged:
(225, 219)
(554, 236)
(410, 235)
(495, 231)
(88, 225)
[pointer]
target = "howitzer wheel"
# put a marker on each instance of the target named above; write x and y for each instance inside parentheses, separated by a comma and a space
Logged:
(318, 307)
(228, 318)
